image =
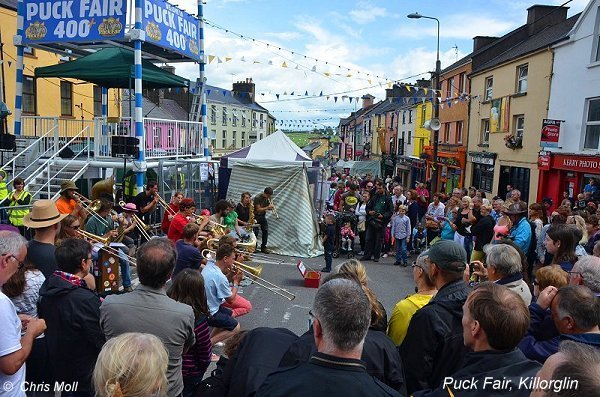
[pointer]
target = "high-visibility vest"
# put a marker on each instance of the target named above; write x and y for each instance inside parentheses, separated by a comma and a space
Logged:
(3, 188)
(16, 215)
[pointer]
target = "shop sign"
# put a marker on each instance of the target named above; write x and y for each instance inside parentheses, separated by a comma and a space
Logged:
(57, 21)
(550, 133)
(544, 162)
(482, 160)
(348, 151)
(170, 27)
(579, 164)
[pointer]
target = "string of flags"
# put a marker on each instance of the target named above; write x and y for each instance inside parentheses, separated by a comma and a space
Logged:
(348, 71)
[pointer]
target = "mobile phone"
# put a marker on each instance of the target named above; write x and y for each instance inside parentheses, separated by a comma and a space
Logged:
(471, 268)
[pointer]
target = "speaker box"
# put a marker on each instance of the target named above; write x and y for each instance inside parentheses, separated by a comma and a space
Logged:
(124, 146)
(8, 143)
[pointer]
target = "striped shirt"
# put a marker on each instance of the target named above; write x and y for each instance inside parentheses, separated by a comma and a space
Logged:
(197, 359)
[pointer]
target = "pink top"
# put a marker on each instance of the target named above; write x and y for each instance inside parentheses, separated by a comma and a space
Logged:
(501, 231)
(347, 232)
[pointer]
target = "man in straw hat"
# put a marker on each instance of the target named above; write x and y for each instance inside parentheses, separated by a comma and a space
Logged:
(44, 219)
(520, 231)
(68, 203)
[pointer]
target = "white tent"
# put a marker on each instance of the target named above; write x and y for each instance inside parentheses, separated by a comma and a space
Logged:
(277, 162)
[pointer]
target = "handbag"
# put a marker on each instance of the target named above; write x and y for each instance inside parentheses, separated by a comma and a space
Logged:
(362, 226)
(375, 223)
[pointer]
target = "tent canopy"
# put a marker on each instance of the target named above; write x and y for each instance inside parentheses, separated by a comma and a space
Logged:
(276, 148)
(112, 68)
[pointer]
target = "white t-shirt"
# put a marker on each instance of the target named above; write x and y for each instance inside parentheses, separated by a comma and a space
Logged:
(10, 342)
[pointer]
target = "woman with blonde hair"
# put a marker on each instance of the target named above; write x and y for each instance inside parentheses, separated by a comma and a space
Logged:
(132, 365)
(578, 221)
(357, 270)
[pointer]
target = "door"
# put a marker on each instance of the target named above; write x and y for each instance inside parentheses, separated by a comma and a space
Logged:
(517, 177)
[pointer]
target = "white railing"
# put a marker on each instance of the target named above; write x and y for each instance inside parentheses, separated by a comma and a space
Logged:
(105, 129)
(34, 148)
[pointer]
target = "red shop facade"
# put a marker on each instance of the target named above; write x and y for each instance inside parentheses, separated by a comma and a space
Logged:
(565, 172)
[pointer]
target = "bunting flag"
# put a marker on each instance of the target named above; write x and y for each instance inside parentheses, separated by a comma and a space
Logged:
(219, 60)
(256, 62)
(211, 58)
(284, 65)
(227, 59)
(208, 92)
(350, 99)
(243, 59)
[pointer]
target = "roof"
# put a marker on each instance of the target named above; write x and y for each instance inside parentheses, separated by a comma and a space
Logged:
(459, 63)
(542, 39)
(12, 4)
(227, 97)
(170, 110)
(311, 146)
(263, 150)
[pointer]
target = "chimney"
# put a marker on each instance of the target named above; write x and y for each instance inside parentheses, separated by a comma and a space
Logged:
(539, 17)
(423, 83)
(389, 93)
(168, 68)
(245, 90)
(367, 100)
(481, 41)
(161, 97)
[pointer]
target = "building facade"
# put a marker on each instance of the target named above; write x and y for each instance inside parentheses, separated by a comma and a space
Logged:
(568, 164)
(510, 93)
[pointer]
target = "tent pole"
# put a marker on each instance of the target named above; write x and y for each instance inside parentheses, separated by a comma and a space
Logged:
(203, 80)
(139, 120)
(19, 73)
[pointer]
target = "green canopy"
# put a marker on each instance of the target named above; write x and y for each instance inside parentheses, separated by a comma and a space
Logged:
(112, 68)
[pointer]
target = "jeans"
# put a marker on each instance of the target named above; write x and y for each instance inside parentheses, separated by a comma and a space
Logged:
(362, 237)
(468, 244)
(374, 239)
(328, 257)
(401, 250)
(264, 231)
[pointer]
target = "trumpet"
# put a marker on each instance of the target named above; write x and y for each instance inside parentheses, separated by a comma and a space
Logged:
(139, 224)
(92, 238)
(274, 210)
(254, 274)
(91, 207)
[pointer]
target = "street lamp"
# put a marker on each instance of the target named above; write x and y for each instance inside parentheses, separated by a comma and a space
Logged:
(436, 106)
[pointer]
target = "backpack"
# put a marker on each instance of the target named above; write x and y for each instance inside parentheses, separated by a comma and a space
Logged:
(531, 254)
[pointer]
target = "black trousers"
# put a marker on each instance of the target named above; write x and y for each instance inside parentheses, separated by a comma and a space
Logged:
(374, 240)
(264, 231)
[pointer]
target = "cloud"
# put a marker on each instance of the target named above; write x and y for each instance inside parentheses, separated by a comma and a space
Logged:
(456, 26)
(286, 36)
(366, 13)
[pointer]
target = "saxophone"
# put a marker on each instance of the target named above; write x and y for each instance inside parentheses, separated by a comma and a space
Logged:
(251, 220)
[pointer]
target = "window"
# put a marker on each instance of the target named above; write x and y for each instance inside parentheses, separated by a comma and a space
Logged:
(213, 114)
(234, 119)
(449, 87)
(29, 102)
(170, 138)
(213, 138)
(446, 137)
(459, 132)
(97, 101)
(462, 83)
(404, 117)
(592, 127)
(401, 144)
(66, 98)
(233, 138)
(485, 131)
(243, 118)
(224, 118)
(522, 78)
(489, 85)
(483, 176)
(409, 136)
(28, 51)
(423, 114)
(392, 122)
(224, 140)
(243, 143)
(262, 121)
(519, 128)
(156, 137)
(409, 116)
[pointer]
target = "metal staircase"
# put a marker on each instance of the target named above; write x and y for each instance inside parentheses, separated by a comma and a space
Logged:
(46, 184)
(196, 109)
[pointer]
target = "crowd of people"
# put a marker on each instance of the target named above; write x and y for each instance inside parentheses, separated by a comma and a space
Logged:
(507, 302)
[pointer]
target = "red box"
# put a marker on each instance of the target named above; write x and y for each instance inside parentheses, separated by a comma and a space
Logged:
(312, 278)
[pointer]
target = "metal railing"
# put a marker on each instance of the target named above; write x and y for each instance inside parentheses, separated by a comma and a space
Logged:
(172, 138)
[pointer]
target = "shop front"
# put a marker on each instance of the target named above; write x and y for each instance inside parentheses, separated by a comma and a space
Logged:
(565, 172)
(403, 164)
(417, 172)
(451, 165)
(483, 170)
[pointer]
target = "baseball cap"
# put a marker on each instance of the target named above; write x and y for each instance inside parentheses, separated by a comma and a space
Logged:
(448, 255)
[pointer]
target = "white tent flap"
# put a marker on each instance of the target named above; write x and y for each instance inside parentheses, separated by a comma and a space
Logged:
(296, 232)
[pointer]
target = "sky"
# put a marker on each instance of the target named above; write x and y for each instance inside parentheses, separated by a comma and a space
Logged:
(340, 48)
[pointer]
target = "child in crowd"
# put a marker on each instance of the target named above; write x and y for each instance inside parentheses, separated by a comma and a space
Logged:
(419, 239)
(347, 237)
(328, 240)
(401, 234)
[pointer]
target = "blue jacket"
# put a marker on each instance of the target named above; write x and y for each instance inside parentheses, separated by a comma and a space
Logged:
(541, 340)
(521, 234)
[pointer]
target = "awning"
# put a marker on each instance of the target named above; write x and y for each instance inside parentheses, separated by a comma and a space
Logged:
(112, 68)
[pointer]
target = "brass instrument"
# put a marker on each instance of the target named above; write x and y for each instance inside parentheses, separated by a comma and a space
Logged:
(166, 207)
(254, 274)
(103, 187)
(217, 229)
(244, 248)
(274, 210)
(139, 224)
(251, 220)
(91, 207)
(92, 238)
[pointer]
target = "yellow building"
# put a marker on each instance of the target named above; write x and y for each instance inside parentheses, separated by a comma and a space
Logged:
(64, 98)
(422, 135)
(510, 94)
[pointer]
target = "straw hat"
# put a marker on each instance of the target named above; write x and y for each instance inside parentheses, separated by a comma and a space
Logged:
(67, 185)
(43, 214)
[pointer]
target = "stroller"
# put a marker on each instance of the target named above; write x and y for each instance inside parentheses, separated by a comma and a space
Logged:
(344, 244)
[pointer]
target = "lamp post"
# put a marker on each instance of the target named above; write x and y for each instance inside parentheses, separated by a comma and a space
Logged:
(436, 106)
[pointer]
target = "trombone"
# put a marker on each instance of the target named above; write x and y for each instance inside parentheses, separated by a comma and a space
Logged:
(139, 224)
(106, 242)
(91, 207)
(165, 205)
(254, 274)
